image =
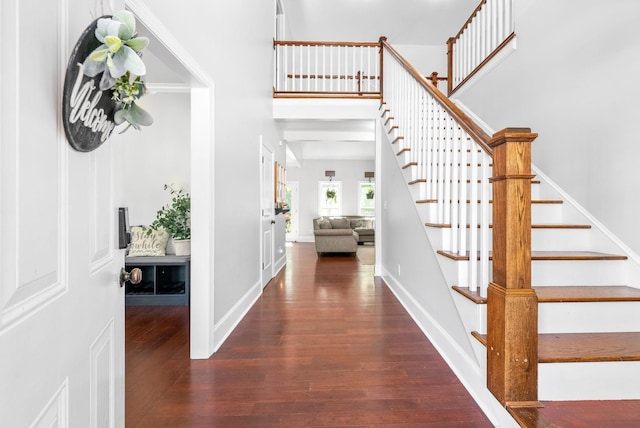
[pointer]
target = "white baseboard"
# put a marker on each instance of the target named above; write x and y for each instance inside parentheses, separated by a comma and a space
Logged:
(279, 264)
(464, 367)
(231, 319)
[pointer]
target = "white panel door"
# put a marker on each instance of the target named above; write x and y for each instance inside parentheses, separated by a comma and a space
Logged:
(61, 307)
(267, 215)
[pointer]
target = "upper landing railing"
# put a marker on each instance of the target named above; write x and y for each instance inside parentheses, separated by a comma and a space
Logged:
(326, 69)
(487, 31)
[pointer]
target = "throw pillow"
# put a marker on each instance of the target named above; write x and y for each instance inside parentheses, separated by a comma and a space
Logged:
(340, 223)
(357, 223)
(143, 244)
(325, 224)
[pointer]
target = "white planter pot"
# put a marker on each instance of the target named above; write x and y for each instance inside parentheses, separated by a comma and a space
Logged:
(182, 247)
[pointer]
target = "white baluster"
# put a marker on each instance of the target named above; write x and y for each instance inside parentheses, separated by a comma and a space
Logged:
(431, 159)
(441, 161)
(302, 56)
(486, 243)
(293, 68)
(501, 27)
(338, 68)
(346, 68)
(448, 179)
(315, 68)
(476, 40)
(308, 68)
(508, 14)
(422, 166)
(493, 24)
(457, 229)
(473, 219)
(464, 148)
(486, 40)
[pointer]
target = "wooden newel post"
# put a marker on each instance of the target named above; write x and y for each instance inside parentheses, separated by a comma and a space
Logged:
(450, 44)
(512, 305)
(382, 40)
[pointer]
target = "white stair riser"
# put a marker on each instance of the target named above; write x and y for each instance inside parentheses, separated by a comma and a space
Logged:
(542, 239)
(557, 272)
(586, 317)
(560, 239)
(540, 213)
(589, 381)
(578, 272)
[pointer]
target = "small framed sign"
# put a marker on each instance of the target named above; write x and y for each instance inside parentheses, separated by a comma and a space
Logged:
(87, 112)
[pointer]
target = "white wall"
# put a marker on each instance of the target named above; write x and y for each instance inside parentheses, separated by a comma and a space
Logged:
(349, 172)
(573, 80)
(233, 45)
(426, 59)
(157, 155)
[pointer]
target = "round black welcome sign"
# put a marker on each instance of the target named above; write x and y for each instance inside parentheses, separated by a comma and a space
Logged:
(87, 112)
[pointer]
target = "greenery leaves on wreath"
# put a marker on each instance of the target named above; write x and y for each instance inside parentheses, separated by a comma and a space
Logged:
(119, 60)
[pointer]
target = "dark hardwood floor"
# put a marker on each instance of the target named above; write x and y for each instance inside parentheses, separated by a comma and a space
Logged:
(325, 345)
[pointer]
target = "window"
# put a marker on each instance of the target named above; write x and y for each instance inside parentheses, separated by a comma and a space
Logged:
(330, 198)
(366, 198)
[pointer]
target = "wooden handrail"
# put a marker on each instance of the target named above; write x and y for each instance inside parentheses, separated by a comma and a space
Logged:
(479, 66)
(487, 31)
(317, 43)
(474, 131)
(468, 21)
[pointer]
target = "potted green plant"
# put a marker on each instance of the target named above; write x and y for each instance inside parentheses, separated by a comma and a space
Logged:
(370, 194)
(331, 194)
(175, 218)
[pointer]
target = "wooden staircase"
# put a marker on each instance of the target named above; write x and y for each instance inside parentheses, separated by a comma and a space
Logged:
(561, 347)
(561, 317)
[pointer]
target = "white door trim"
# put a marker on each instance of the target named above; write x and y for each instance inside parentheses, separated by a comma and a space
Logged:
(294, 211)
(266, 215)
(202, 184)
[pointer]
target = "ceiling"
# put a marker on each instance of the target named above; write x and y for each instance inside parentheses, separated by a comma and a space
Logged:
(328, 140)
(403, 22)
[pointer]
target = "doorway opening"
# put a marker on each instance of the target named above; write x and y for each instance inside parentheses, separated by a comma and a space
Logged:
(180, 77)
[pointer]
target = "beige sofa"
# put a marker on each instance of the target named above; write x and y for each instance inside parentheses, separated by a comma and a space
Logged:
(364, 227)
(340, 235)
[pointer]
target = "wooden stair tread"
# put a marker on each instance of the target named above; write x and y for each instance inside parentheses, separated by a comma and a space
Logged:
(570, 293)
(610, 293)
(533, 226)
(548, 255)
(530, 417)
(584, 347)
